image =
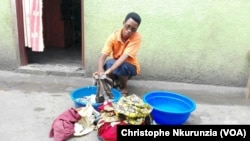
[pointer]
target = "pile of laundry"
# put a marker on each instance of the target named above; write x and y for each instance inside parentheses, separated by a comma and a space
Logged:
(129, 110)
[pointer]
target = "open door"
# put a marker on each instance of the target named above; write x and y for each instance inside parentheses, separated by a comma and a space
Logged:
(63, 22)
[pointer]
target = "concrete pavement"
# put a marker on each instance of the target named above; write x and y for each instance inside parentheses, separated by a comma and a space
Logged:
(30, 103)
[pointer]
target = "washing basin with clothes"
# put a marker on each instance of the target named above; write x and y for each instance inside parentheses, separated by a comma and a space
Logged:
(81, 96)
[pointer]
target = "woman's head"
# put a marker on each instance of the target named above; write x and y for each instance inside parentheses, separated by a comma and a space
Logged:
(133, 16)
(130, 24)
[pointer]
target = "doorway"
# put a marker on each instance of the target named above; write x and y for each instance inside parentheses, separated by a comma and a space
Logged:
(62, 22)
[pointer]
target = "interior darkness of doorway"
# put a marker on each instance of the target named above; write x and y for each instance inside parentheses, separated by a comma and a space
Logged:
(66, 60)
(56, 56)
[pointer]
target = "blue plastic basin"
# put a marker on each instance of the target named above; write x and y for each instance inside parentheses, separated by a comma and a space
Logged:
(169, 108)
(87, 91)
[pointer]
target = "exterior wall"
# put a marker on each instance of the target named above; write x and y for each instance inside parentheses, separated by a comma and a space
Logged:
(8, 38)
(193, 41)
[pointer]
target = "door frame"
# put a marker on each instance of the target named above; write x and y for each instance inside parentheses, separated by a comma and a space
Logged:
(21, 40)
(82, 34)
(20, 29)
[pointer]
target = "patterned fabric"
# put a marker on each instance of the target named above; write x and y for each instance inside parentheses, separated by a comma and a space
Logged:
(133, 108)
(107, 124)
(134, 112)
(107, 114)
(33, 28)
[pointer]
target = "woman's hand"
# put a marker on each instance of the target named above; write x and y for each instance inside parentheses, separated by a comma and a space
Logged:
(108, 71)
(97, 74)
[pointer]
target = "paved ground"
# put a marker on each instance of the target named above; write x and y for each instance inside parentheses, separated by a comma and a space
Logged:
(29, 103)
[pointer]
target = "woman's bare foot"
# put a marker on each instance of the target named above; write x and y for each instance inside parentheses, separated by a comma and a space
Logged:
(124, 92)
(123, 85)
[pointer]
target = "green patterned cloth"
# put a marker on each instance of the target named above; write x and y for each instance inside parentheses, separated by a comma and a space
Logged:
(133, 108)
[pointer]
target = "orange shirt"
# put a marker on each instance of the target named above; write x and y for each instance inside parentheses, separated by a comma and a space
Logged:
(114, 47)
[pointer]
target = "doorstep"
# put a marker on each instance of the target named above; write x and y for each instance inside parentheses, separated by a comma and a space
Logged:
(52, 69)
